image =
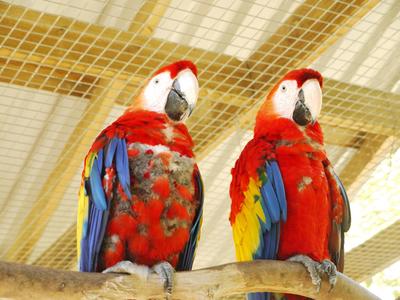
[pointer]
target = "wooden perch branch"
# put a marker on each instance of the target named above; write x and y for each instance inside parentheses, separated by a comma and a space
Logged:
(30, 282)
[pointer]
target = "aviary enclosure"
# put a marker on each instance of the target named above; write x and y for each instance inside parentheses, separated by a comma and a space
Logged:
(68, 68)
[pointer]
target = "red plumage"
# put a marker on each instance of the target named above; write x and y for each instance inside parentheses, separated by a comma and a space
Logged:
(155, 228)
(307, 228)
(161, 187)
(302, 75)
(175, 68)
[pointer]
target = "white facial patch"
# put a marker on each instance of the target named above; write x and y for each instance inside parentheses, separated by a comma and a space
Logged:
(156, 92)
(285, 98)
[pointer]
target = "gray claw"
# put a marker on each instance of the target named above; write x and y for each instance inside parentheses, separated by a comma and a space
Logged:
(128, 267)
(166, 273)
(329, 269)
(311, 266)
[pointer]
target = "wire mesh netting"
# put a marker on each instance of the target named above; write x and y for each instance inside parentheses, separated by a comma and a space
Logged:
(68, 68)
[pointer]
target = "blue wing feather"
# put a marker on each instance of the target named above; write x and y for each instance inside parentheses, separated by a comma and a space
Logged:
(96, 186)
(275, 209)
(270, 201)
(93, 234)
(271, 242)
(269, 170)
(274, 205)
(265, 226)
(122, 163)
(100, 230)
(84, 259)
(111, 147)
(100, 160)
(94, 228)
(279, 188)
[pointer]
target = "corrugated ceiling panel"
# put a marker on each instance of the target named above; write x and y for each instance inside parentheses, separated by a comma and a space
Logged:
(67, 8)
(366, 53)
(114, 13)
(376, 205)
(31, 143)
(231, 27)
(63, 217)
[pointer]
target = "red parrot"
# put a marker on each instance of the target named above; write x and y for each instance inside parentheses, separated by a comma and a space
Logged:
(141, 196)
(287, 202)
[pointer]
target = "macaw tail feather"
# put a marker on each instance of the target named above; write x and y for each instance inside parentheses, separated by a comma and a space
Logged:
(272, 296)
(295, 297)
(259, 296)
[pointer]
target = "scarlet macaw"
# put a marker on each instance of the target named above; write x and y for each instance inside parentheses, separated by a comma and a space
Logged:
(287, 202)
(141, 196)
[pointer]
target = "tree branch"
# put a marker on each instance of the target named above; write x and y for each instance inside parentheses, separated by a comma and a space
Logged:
(31, 282)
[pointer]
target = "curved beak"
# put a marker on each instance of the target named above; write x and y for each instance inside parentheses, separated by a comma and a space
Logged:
(301, 113)
(308, 104)
(177, 105)
(182, 97)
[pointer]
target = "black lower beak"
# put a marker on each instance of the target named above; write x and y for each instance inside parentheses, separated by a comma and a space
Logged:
(177, 106)
(302, 114)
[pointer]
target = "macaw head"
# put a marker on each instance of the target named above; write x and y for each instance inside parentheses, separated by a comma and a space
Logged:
(297, 96)
(172, 90)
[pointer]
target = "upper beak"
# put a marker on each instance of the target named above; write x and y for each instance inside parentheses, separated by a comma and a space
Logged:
(301, 113)
(177, 105)
(182, 97)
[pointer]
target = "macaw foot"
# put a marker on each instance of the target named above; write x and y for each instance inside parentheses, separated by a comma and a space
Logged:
(128, 267)
(317, 269)
(164, 270)
(329, 269)
(166, 273)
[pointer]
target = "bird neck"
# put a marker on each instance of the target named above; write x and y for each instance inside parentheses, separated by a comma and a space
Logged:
(280, 130)
(155, 129)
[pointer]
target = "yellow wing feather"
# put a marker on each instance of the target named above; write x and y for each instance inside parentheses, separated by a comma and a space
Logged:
(246, 229)
(83, 204)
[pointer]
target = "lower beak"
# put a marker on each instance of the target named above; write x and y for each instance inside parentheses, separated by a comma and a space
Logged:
(176, 107)
(302, 114)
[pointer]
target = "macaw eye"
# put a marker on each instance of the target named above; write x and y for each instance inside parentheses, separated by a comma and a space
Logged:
(283, 88)
(156, 81)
